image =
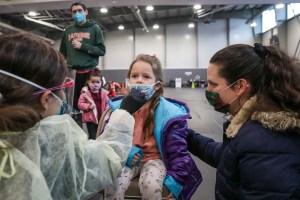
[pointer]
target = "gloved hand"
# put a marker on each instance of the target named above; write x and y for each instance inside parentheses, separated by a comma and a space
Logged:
(133, 101)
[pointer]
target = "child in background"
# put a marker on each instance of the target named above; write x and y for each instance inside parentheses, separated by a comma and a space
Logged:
(159, 153)
(93, 101)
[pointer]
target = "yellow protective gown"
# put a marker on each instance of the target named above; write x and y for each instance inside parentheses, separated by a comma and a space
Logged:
(55, 160)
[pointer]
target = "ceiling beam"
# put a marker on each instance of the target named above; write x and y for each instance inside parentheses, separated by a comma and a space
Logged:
(258, 13)
(13, 6)
(14, 29)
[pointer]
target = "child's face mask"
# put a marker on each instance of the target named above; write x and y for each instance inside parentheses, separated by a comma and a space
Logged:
(148, 90)
(95, 86)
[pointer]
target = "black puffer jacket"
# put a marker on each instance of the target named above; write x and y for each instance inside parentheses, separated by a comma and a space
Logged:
(259, 157)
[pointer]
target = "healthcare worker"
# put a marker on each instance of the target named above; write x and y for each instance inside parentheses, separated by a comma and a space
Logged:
(43, 154)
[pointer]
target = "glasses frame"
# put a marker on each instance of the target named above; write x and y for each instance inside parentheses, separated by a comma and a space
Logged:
(69, 82)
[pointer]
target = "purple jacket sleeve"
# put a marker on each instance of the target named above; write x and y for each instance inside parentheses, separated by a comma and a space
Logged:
(177, 157)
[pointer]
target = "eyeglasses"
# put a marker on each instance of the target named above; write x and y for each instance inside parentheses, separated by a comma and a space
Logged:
(69, 82)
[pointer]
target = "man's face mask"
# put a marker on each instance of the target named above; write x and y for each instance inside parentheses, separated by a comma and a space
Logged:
(214, 99)
(79, 17)
(148, 90)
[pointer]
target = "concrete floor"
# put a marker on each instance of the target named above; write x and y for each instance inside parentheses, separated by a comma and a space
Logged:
(205, 121)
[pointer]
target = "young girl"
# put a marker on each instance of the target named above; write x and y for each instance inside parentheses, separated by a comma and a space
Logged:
(93, 101)
(159, 153)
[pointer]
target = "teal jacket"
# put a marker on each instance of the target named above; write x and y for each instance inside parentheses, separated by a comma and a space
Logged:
(91, 38)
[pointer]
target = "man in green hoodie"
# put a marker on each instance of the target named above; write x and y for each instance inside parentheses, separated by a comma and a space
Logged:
(82, 44)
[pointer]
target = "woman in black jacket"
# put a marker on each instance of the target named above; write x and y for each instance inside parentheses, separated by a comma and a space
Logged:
(259, 90)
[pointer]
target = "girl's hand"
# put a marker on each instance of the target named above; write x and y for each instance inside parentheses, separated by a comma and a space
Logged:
(170, 196)
(135, 159)
(92, 107)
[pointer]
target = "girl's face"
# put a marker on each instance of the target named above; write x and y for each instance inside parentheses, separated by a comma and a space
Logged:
(94, 83)
(142, 73)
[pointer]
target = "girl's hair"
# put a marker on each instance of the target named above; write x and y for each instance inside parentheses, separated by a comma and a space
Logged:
(155, 64)
(273, 75)
(95, 72)
(33, 59)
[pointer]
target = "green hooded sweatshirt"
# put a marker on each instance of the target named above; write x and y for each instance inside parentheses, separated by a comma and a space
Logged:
(91, 38)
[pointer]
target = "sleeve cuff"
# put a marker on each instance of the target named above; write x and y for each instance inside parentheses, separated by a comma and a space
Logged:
(134, 150)
(173, 186)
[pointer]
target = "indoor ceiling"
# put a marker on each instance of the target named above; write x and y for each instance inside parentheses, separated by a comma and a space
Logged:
(54, 15)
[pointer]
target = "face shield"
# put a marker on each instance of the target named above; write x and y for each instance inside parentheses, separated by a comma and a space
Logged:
(65, 108)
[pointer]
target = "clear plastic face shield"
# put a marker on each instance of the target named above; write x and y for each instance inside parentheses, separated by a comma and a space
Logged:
(65, 108)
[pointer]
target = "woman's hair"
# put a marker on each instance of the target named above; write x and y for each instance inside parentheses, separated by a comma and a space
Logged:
(274, 76)
(33, 59)
(155, 64)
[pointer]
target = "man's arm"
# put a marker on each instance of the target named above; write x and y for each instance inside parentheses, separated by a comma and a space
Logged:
(63, 48)
(98, 49)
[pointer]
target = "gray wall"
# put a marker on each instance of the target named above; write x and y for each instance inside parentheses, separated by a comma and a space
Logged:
(169, 74)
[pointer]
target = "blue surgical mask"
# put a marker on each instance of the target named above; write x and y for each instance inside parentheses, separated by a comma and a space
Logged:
(148, 90)
(64, 107)
(79, 17)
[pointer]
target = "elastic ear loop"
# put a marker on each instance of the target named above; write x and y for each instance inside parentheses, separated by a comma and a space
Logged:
(29, 82)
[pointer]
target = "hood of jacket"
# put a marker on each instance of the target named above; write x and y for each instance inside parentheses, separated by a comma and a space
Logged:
(280, 121)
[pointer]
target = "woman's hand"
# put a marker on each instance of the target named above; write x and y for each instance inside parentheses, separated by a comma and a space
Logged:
(135, 159)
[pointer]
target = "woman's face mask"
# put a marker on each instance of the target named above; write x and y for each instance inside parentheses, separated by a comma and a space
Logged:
(148, 90)
(79, 17)
(64, 108)
(214, 99)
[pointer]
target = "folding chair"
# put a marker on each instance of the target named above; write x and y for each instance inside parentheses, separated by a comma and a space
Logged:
(133, 191)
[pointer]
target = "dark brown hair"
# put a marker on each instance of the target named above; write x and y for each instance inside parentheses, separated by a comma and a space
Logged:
(78, 4)
(33, 59)
(95, 72)
(273, 75)
(154, 62)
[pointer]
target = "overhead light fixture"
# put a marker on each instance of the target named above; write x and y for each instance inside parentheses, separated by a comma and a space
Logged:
(121, 27)
(191, 25)
(253, 24)
(32, 13)
(103, 10)
(279, 6)
(149, 8)
(197, 7)
(155, 26)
